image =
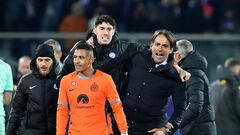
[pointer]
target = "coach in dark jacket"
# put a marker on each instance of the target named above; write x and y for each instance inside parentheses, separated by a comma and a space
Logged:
(150, 85)
(37, 96)
(199, 118)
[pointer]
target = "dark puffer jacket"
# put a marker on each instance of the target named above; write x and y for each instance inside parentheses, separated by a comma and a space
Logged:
(37, 96)
(199, 118)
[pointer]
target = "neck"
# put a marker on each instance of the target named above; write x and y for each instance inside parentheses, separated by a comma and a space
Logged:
(87, 72)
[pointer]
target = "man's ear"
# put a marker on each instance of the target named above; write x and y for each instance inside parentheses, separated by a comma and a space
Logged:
(171, 50)
(94, 30)
(92, 60)
(177, 57)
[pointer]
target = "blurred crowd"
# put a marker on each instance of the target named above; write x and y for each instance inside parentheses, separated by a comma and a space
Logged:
(179, 16)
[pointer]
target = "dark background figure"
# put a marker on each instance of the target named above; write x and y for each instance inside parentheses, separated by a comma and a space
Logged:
(225, 96)
(57, 53)
(199, 118)
(23, 69)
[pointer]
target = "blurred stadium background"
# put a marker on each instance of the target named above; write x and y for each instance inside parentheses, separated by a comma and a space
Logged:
(212, 25)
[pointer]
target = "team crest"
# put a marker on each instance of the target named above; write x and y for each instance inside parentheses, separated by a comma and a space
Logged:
(55, 86)
(112, 55)
(94, 87)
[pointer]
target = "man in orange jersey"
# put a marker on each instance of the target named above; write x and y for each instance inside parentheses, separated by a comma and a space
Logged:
(84, 92)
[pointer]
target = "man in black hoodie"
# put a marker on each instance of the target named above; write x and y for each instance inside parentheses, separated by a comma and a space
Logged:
(199, 118)
(36, 95)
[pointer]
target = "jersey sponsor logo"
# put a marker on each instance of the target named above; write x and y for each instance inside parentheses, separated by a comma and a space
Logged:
(83, 98)
(94, 87)
(31, 87)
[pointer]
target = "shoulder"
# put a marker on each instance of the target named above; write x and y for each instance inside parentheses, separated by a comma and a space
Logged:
(5, 66)
(103, 74)
(28, 76)
(69, 76)
(196, 72)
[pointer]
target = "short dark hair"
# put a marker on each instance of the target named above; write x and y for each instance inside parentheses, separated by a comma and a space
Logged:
(168, 34)
(85, 46)
(105, 18)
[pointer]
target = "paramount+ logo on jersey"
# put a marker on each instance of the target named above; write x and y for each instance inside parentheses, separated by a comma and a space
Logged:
(83, 101)
(83, 98)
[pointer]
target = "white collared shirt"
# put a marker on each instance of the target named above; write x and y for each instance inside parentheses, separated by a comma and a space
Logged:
(163, 63)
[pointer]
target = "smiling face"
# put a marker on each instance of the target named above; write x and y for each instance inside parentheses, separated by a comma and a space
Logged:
(104, 33)
(160, 49)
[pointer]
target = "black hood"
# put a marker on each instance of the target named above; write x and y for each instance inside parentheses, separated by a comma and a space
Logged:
(194, 60)
(43, 50)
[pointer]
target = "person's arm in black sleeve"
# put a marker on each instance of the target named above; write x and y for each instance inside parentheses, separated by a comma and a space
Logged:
(18, 109)
(133, 48)
(179, 100)
(195, 87)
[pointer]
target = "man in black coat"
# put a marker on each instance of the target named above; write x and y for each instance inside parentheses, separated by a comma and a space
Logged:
(36, 95)
(199, 118)
(151, 82)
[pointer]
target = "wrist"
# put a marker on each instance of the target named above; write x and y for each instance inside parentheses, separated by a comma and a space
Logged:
(169, 125)
(174, 63)
(167, 129)
(124, 133)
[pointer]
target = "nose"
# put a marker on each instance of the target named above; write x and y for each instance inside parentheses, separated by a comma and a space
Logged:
(77, 60)
(160, 47)
(105, 31)
(44, 63)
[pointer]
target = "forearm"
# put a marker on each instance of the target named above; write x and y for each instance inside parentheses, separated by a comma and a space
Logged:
(179, 101)
(120, 117)
(184, 75)
(62, 119)
(16, 115)
(7, 98)
(195, 90)
(191, 113)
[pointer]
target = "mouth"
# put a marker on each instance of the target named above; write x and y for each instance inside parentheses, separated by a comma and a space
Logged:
(78, 66)
(159, 55)
(43, 68)
(104, 38)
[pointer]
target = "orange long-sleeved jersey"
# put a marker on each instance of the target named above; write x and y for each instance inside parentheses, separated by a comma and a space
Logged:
(86, 99)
